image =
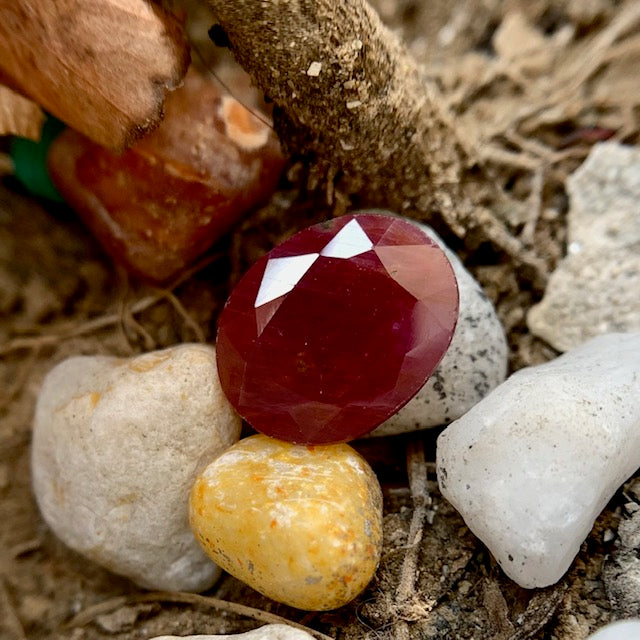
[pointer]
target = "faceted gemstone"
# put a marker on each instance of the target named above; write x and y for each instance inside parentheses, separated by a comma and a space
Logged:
(165, 201)
(335, 329)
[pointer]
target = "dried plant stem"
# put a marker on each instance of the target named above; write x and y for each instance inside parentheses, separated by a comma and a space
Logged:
(72, 330)
(179, 597)
(9, 617)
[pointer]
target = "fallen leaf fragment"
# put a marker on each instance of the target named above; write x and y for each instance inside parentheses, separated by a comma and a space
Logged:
(19, 116)
(103, 68)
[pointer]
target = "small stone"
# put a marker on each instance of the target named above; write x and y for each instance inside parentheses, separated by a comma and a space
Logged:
(532, 465)
(121, 619)
(165, 201)
(302, 525)
(594, 290)
(604, 193)
(620, 630)
(335, 329)
(475, 363)
(117, 444)
(268, 632)
(314, 69)
(621, 571)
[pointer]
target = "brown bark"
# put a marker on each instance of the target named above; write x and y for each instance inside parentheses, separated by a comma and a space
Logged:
(102, 67)
(369, 116)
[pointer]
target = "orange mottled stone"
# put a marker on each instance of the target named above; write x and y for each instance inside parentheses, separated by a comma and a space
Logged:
(301, 525)
(166, 200)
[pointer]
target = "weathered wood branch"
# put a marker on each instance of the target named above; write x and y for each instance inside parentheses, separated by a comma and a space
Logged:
(350, 97)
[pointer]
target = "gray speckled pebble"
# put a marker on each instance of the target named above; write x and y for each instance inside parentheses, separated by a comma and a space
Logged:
(475, 363)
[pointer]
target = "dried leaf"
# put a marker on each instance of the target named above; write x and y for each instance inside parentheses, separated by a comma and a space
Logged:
(18, 115)
(101, 67)
(516, 41)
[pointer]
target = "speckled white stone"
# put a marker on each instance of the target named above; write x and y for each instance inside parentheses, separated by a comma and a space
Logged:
(532, 465)
(595, 288)
(620, 630)
(474, 364)
(268, 632)
(117, 444)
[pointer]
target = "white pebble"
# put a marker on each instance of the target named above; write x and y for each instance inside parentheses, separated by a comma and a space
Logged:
(117, 444)
(475, 363)
(532, 465)
(268, 632)
(620, 630)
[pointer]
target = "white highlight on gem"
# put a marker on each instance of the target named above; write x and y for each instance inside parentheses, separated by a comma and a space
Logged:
(350, 241)
(282, 275)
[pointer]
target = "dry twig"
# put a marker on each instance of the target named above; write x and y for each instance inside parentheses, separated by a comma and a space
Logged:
(9, 618)
(179, 597)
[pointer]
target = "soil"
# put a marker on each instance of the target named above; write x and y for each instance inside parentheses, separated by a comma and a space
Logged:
(534, 98)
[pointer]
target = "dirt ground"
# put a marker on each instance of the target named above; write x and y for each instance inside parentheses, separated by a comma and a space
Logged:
(534, 84)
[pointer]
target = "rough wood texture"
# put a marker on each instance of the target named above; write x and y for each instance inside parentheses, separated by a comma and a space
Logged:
(103, 68)
(349, 95)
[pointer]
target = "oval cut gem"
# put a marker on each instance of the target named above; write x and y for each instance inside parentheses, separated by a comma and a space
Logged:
(335, 329)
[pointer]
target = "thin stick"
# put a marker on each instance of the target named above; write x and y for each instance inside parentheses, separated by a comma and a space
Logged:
(185, 315)
(180, 597)
(69, 330)
(417, 472)
(96, 324)
(11, 620)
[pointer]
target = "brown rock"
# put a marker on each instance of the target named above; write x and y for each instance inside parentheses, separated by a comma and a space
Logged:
(166, 200)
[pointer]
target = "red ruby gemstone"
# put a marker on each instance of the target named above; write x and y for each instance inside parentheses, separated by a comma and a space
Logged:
(335, 329)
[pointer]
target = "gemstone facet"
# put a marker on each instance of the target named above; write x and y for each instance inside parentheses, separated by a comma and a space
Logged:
(335, 329)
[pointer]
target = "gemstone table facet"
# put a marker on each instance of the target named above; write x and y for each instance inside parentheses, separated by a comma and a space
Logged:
(335, 329)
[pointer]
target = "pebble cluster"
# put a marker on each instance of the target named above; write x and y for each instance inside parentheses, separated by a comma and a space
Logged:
(136, 463)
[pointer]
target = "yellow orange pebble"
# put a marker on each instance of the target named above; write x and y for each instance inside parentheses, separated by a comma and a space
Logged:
(301, 525)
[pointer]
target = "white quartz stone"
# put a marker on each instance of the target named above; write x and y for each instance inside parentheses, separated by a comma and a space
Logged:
(117, 444)
(532, 465)
(268, 632)
(620, 630)
(474, 364)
